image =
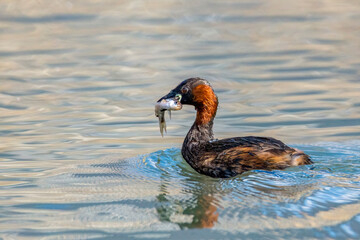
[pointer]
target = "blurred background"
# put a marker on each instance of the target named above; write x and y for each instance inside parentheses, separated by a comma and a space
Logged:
(78, 83)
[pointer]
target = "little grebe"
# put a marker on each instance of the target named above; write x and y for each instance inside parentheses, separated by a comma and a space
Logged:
(231, 156)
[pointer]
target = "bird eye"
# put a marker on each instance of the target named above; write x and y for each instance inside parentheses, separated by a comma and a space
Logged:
(184, 90)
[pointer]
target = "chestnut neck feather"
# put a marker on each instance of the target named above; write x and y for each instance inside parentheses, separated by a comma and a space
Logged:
(206, 104)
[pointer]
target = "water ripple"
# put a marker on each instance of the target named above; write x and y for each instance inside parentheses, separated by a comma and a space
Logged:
(49, 18)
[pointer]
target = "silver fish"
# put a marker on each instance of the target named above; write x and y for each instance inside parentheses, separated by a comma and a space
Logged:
(161, 107)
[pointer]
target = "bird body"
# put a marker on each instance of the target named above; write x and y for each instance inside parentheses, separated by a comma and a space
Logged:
(231, 156)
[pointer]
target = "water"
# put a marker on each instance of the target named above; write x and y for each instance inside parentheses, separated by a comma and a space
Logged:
(81, 154)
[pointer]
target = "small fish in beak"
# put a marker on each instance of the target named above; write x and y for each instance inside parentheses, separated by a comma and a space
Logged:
(166, 105)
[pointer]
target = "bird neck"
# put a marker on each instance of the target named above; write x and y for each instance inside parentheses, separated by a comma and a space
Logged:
(196, 138)
(201, 132)
(206, 103)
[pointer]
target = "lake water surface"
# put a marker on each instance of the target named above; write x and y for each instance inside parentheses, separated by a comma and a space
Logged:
(80, 150)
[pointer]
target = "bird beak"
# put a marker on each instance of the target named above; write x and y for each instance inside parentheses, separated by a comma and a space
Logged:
(167, 103)
(169, 96)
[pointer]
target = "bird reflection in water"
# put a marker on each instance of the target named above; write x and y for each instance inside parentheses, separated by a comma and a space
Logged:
(200, 211)
(199, 207)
